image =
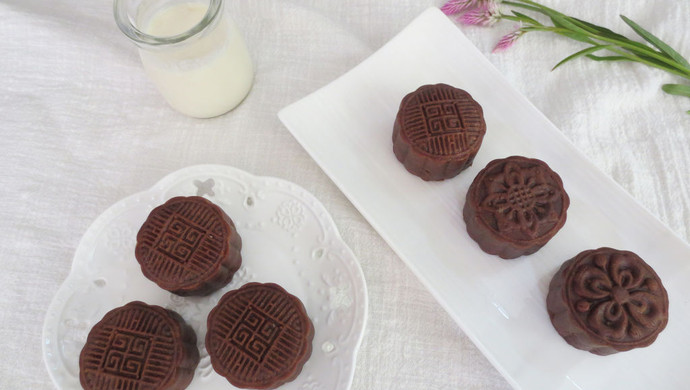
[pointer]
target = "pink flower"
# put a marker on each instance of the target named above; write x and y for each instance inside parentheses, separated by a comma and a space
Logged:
(508, 40)
(486, 14)
(457, 6)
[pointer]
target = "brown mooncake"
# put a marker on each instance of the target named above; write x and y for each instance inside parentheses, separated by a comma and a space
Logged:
(606, 301)
(259, 336)
(515, 206)
(189, 246)
(438, 131)
(139, 346)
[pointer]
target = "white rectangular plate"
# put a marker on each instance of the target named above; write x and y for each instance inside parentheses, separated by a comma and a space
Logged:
(346, 127)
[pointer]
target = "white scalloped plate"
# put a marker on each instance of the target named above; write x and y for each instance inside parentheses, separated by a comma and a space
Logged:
(346, 127)
(288, 238)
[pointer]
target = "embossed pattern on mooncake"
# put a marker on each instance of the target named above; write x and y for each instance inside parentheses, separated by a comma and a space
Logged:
(259, 336)
(515, 206)
(606, 301)
(138, 346)
(189, 246)
(438, 131)
(442, 121)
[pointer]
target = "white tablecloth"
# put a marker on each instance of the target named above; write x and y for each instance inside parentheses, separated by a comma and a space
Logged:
(82, 127)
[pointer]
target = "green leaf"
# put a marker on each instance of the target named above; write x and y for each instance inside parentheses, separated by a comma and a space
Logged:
(676, 89)
(560, 20)
(563, 21)
(576, 36)
(581, 53)
(603, 31)
(526, 18)
(659, 64)
(606, 58)
(626, 44)
(658, 43)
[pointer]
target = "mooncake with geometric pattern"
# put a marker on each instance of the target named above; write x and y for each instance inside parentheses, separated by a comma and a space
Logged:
(189, 246)
(259, 336)
(139, 347)
(438, 131)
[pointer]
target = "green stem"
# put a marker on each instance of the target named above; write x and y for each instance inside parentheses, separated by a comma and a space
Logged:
(633, 58)
(685, 72)
(675, 68)
(513, 18)
(632, 47)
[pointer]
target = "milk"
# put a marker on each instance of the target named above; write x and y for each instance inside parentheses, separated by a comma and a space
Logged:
(204, 76)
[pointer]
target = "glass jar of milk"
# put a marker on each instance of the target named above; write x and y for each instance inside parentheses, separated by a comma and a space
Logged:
(192, 51)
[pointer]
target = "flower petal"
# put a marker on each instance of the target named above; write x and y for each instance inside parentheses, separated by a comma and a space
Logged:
(456, 6)
(495, 202)
(608, 320)
(513, 175)
(545, 193)
(507, 41)
(528, 223)
(497, 183)
(486, 14)
(507, 221)
(624, 272)
(643, 307)
(591, 283)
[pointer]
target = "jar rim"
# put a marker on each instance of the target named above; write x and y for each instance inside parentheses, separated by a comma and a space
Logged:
(126, 25)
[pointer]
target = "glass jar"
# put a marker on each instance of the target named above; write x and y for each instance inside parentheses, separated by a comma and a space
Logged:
(192, 50)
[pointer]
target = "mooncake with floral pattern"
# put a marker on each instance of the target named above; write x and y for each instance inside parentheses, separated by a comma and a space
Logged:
(606, 301)
(514, 206)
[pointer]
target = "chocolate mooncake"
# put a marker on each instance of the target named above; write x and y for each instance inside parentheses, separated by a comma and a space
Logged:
(438, 131)
(606, 301)
(189, 246)
(259, 336)
(136, 347)
(515, 206)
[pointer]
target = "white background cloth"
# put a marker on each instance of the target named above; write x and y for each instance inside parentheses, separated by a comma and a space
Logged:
(82, 127)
